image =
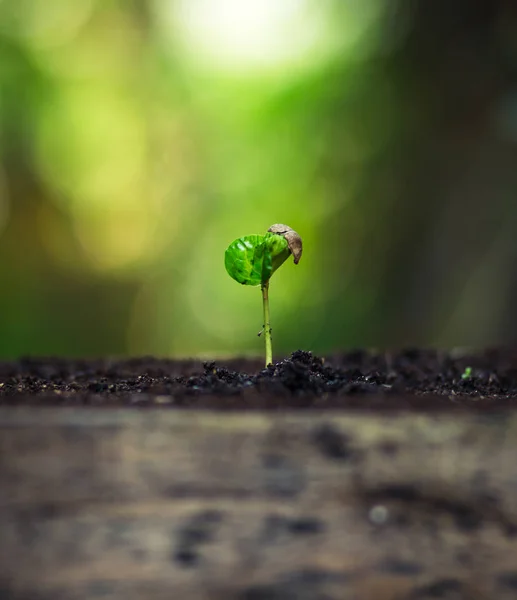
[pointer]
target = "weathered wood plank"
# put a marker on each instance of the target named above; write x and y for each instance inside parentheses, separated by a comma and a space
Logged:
(127, 504)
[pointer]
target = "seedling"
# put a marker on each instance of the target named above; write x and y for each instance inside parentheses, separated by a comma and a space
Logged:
(252, 260)
(467, 373)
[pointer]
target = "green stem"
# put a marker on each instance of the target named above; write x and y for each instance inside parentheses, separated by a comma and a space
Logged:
(267, 323)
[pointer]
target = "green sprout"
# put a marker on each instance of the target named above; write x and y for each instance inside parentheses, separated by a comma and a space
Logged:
(467, 374)
(252, 260)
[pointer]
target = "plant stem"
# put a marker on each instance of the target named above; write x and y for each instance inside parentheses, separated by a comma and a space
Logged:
(267, 323)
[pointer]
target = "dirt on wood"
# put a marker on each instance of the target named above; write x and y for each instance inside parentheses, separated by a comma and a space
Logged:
(411, 379)
(361, 503)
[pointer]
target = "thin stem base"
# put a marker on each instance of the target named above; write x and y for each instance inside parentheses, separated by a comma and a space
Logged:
(267, 323)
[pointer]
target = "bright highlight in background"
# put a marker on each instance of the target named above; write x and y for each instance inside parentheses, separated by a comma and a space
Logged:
(244, 35)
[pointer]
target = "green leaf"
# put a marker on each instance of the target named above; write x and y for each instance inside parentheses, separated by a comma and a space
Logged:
(278, 248)
(247, 260)
(252, 259)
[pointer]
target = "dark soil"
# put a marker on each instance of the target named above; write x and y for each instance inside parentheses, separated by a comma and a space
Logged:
(414, 379)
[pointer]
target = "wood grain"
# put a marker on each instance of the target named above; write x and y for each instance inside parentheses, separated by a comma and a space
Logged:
(199, 505)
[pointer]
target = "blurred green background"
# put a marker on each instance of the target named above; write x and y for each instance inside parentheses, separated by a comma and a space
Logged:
(138, 138)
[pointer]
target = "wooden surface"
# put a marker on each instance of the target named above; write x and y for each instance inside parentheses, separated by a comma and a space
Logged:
(162, 504)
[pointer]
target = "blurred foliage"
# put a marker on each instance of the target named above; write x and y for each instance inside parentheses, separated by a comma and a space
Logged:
(138, 138)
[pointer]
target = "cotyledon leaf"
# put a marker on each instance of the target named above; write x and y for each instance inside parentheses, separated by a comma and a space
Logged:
(278, 247)
(252, 259)
(247, 260)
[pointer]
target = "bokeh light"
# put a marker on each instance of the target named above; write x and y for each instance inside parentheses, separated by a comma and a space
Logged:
(137, 140)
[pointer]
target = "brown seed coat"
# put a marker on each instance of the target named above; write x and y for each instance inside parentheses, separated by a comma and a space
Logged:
(293, 239)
